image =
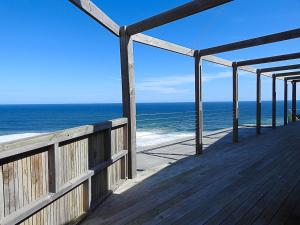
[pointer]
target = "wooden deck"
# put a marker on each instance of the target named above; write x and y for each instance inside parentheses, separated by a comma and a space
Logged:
(254, 182)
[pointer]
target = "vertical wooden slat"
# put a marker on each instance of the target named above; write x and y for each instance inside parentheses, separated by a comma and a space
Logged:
(16, 184)
(29, 181)
(294, 101)
(198, 103)
(285, 102)
(273, 101)
(128, 96)
(258, 102)
(25, 182)
(20, 184)
(11, 186)
(87, 194)
(235, 104)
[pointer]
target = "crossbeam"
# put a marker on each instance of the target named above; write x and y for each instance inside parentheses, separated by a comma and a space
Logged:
(295, 73)
(293, 78)
(272, 38)
(158, 43)
(227, 63)
(97, 14)
(177, 13)
(269, 59)
(280, 68)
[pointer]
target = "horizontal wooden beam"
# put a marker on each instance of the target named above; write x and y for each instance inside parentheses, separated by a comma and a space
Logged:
(227, 63)
(293, 78)
(272, 38)
(295, 73)
(19, 215)
(21, 146)
(177, 13)
(155, 42)
(97, 14)
(269, 59)
(280, 68)
(217, 60)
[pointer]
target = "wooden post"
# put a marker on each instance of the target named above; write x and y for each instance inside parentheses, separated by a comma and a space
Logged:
(54, 163)
(128, 97)
(258, 102)
(235, 131)
(273, 101)
(198, 103)
(285, 102)
(294, 101)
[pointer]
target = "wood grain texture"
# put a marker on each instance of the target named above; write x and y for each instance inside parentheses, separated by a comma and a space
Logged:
(274, 102)
(269, 59)
(253, 182)
(280, 68)
(285, 110)
(128, 96)
(198, 104)
(272, 38)
(294, 101)
(97, 14)
(235, 104)
(53, 184)
(294, 73)
(177, 13)
(258, 102)
(158, 43)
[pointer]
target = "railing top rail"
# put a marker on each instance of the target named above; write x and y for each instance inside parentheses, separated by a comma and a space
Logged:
(21, 146)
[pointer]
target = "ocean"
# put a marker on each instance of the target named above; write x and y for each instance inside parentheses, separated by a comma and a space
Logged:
(156, 122)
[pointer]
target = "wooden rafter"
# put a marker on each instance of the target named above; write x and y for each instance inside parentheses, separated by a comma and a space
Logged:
(269, 59)
(177, 13)
(293, 78)
(97, 14)
(272, 38)
(155, 42)
(295, 73)
(280, 68)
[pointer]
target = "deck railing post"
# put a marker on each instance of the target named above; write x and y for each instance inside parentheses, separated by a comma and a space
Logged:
(128, 97)
(285, 102)
(198, 103)
(258, 102)
(294, 102)
(54, 167)
(273, 101)
(235, 130)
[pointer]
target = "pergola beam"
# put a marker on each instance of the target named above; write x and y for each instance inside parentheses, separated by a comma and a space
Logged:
(272, 38)
(293, 78)
(295, 73)
(269, 59)
(177, 13)
(158, 43)
(280, 68)
(98, 15)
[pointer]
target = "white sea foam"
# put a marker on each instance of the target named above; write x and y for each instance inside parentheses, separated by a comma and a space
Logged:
(144, 138)
(13, 137)
(148, 138)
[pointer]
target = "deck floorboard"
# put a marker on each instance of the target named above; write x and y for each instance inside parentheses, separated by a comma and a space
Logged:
(254, 182)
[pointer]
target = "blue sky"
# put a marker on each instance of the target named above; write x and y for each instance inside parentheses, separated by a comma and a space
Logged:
(53, 53)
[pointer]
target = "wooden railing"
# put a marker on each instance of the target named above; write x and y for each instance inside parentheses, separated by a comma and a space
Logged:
(58, 178)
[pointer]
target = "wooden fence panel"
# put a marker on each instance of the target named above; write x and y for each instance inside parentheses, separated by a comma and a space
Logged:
(58, 178)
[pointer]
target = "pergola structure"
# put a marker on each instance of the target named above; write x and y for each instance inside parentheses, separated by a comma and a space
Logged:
(132, 33)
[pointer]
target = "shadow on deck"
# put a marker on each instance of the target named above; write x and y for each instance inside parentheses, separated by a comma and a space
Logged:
(253, 182)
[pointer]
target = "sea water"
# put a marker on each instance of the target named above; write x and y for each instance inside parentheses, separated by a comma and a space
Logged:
(156, 122)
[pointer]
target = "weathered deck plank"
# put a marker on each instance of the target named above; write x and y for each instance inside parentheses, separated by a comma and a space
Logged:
(255, 181)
